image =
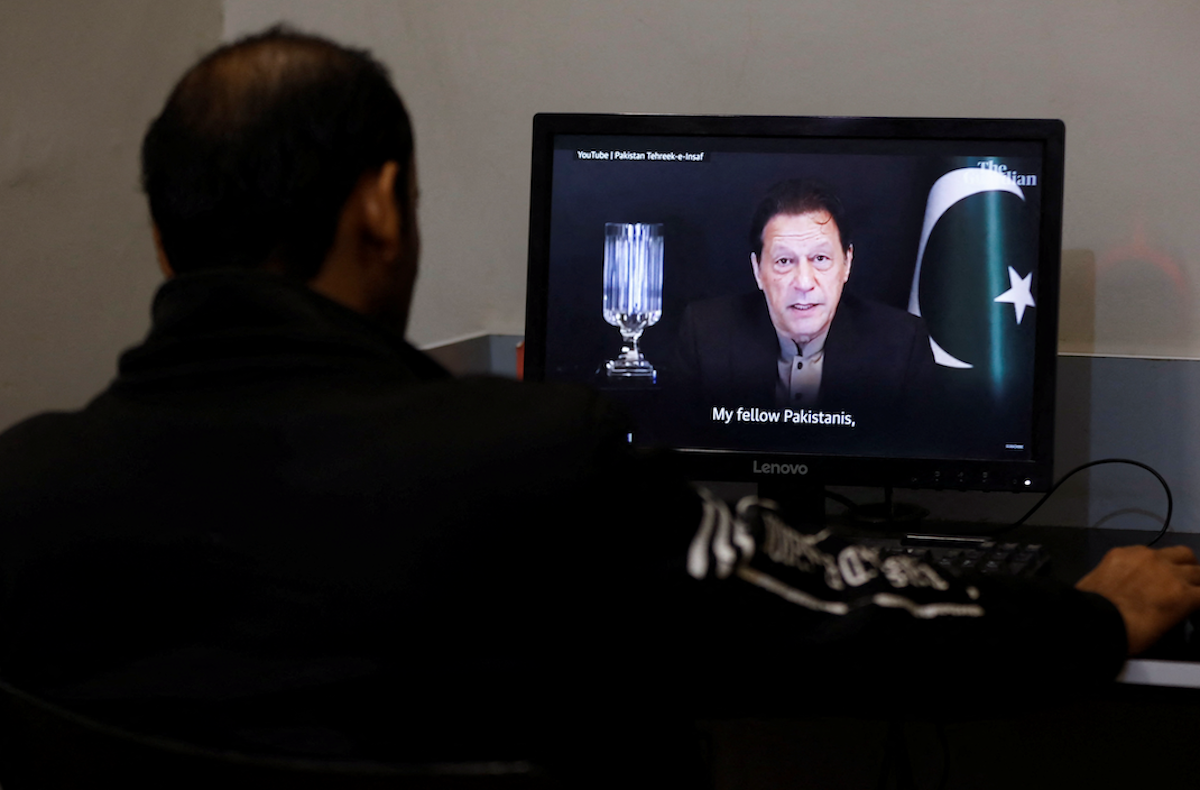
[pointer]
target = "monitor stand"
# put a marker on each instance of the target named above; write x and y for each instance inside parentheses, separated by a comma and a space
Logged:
(890, 514)
(801, 502)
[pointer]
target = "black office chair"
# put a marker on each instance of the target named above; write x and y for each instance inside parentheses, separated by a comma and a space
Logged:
(47, 747)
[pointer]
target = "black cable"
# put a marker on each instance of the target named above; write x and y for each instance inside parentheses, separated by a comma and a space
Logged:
(1067, 476)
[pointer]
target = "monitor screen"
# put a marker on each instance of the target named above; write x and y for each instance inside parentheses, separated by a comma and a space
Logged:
(862, 301)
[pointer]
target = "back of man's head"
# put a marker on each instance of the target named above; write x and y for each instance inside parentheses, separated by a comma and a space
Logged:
(259, 146)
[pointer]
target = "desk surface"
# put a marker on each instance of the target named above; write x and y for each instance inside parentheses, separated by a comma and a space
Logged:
(1158, 672)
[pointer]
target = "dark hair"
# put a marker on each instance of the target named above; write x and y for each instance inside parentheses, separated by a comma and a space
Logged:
(260, 145)
(799, 196)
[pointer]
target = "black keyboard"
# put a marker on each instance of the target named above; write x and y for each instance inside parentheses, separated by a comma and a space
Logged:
(962, 558)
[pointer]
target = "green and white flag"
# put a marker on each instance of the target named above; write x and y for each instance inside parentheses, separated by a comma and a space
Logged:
(975, 282)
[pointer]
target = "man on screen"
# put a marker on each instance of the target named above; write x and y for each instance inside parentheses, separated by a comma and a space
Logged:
(805, 342)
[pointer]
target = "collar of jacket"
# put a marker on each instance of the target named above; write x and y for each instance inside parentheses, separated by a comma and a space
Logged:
(237, 319)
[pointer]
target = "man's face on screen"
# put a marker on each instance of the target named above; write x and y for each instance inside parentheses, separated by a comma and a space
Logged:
(802, 272)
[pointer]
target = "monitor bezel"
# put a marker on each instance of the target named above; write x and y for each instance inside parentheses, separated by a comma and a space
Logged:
(1032, 474)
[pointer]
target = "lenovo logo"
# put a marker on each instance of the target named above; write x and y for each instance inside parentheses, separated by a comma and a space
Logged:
(780, 469)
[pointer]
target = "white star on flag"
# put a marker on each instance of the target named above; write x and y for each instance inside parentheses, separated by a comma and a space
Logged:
(1018, 295)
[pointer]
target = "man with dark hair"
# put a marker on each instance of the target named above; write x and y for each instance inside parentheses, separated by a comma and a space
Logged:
(284, 530)
(333, 116)
(804, 342)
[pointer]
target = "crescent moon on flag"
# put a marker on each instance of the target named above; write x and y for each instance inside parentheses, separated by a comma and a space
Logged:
(946, 191)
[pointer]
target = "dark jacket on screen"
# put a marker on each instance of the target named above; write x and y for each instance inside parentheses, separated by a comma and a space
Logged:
(877, 357)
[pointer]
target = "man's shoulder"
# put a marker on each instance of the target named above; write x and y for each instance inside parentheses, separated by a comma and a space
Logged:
(728, 321)
(479, 410)
(508, 405)
(878, 317)
(728, 307)
(28, 438)
(44, 456)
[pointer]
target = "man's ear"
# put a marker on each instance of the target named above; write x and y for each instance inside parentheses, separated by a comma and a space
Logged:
(754, 268)
(382, 218)
(163, 264)
(849, 261)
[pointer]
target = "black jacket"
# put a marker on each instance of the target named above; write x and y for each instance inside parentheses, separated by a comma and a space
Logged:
(283, 528)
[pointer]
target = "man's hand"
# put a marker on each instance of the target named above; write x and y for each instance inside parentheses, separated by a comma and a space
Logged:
(1152, 588)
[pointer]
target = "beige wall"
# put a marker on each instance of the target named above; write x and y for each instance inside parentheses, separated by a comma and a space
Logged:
(78, 83)
(1120, 73)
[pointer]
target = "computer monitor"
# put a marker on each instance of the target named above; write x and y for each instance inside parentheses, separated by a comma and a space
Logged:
(807, 301)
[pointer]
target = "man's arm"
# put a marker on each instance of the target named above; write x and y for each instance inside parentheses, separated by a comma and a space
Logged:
(844, 611)
(1152, 589)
